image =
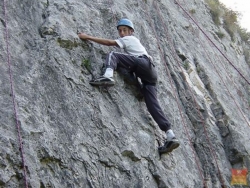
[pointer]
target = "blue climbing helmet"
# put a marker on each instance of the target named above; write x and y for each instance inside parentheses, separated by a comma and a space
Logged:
(125, 22)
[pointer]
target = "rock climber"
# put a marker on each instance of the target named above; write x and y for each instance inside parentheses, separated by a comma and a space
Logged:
(137, 60)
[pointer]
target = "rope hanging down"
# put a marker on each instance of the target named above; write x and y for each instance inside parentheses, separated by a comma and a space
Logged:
(158, 11)
(228, 90)
(196, 103)
(232, 82)
(175, 93)
(13, 93)
(237, 105)
(176, 2)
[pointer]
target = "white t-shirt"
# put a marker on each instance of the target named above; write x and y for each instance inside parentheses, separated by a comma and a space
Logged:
(132, 46)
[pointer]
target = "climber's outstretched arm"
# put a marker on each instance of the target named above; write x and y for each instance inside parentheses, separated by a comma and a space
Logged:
(107, 42)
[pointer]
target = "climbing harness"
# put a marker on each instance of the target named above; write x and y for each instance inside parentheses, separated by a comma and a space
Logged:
(13, 94)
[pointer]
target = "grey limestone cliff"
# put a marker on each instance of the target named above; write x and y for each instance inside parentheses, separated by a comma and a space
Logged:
(76, 135)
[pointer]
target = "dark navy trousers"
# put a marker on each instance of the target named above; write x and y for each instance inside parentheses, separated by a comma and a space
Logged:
(143, 67)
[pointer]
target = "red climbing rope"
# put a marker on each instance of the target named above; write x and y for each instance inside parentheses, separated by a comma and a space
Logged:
(173, 88)
(227, 77)
(206, 134)
(212, 41)
(13, 94)
(196, 104)
(237, 105)
(211, 149)
(228, 90)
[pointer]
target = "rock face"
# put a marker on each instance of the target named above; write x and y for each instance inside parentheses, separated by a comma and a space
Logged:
(76, 135)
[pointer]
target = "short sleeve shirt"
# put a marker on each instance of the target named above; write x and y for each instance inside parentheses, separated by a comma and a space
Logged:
(131, 45)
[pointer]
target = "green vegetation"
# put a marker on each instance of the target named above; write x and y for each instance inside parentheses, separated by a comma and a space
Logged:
(246, 53)
(67, 43)
(228, 18)
(192, 11)
(243, 34)
(220, 34)
(86, 63)
(230, 22)
(215, 11)
(186, 65)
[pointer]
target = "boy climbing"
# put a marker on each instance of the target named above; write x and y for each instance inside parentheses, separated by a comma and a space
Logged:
(137, 60)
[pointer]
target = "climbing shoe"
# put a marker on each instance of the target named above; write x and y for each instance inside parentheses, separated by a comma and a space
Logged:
(169, 146)
(102, 81)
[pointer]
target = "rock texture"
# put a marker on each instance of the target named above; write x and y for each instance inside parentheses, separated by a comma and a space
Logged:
(76, 135)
